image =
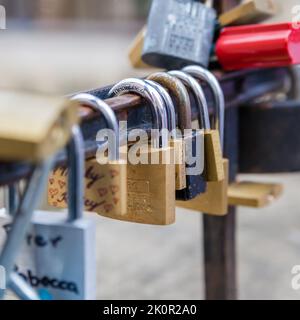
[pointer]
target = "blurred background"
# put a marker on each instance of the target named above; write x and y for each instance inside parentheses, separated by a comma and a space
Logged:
(63, 46)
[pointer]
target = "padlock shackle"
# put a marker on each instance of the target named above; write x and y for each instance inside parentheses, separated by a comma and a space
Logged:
(146, 91)
(108, 114)
(180, 93)
(170, 111)
(169, 105)
(75, 155)
(201, 73)
(197, 91)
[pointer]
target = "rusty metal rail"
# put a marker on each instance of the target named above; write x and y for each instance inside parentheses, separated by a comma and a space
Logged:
(239, 88)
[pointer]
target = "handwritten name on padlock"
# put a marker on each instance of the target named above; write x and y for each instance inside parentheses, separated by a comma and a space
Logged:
(102, 191)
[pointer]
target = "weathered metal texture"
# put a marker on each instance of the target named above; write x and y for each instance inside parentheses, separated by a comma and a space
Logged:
(269, 139)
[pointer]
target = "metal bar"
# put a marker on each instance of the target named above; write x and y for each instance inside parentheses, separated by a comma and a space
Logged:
(219, 232)
(220, 256)
(239, 88)
(219, 238)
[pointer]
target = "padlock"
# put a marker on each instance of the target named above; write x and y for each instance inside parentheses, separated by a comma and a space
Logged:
(213, 139)
(253, 194)
(58, 257)
(215, 200)
(105, 179)
(179, 33)
(193, 140)
(151, 196)
(249, 11)
(136, 49)
(22, 137)
(175, 87)
(258, 46)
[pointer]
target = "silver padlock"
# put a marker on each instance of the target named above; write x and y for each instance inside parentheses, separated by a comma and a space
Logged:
(179, 33)
(58, 258)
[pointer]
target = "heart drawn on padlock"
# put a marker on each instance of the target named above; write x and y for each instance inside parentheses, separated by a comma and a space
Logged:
(114, 173)
(114, 189)
(108, 207)
(61, 183)
(102, 192)
(53, 192)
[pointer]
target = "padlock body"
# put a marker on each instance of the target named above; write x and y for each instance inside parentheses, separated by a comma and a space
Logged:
(214, 169)
(179, 157)
(195, 182)
(250, 12)
(105, 187)
(179, 33)
(58, 258)
(22, 138)
(151, 197)
(215, 200)
(136, 49)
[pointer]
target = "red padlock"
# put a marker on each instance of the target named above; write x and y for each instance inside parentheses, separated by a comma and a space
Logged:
(259, 46)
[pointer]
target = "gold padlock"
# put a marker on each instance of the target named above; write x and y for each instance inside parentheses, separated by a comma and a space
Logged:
(215, 200)
(213, 138)
(179, 92)
(213, 154)
(136, 49)
(151, 196)
(248, 12)
(105, 177)
(253, 194)
(22, 137)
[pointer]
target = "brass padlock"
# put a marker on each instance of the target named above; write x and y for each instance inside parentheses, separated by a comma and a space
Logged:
(181, 96)
(136, 49)
(174, 141)
(214, 167)
(151, 196)
(22, 137)
(194, 142)
(215, 200)
(105, 177)
(248, 12)
(253, 194)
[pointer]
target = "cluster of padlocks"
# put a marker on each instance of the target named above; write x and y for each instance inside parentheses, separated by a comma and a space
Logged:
(118, 189)
(58, 256)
